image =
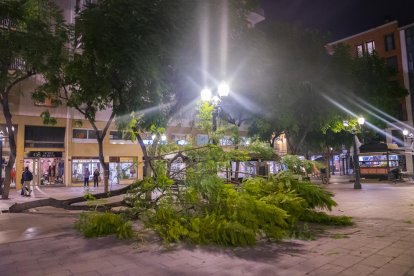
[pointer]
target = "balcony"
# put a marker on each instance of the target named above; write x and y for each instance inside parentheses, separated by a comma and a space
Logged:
(17, 64)
(7, 24)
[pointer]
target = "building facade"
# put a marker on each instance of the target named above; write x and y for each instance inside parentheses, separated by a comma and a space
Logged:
(388, 43)
(58, 155)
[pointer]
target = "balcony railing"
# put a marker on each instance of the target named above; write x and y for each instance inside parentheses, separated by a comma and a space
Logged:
(17, 64)
(7, 24)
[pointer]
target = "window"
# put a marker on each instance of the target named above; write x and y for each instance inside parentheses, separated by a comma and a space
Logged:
(122, 169)
(359, 50)
(392, 63)
(179, 139)
(84, 135)
(226, 141)
(370, 46)
(48, 102)
(389, 42)
(120, 137)
(44, 137)
(202, 139)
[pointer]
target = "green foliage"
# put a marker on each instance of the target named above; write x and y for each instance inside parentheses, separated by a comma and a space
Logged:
(322, 218)
(95, 224)
(297, 165)
(261, 150)
(47, 119)
(207, 210)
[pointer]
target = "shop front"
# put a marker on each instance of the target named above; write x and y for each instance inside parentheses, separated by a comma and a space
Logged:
(379, 159)
(79, 166)
(48, 167)
(122, 170)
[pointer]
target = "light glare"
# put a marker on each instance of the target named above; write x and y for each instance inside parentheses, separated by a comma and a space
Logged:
(206, 94)
(223, 89)
(405, 132)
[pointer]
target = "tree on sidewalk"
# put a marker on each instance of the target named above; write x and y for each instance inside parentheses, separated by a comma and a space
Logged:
(32, 33)
(121, 64)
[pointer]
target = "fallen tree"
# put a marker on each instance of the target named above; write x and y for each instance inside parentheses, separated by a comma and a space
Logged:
(68, 203)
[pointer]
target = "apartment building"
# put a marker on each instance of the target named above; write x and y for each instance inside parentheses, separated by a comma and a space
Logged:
(389, 42)
(57, 155)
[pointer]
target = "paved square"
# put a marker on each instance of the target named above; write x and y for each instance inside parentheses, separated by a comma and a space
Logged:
(43, 242)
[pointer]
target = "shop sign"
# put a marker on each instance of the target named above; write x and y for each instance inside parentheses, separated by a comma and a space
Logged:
(114, 159)
(45, 154)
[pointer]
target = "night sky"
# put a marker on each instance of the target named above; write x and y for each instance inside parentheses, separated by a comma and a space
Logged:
(341, 18)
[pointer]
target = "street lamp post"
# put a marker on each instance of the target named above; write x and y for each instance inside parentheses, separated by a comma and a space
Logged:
(357, 183)
(206, 95)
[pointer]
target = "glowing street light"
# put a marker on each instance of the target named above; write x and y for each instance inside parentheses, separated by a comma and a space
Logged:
(223, 90)
(405, 132)
(361, 121)
(206, 94)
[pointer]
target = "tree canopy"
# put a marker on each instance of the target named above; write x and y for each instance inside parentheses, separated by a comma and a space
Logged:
(31, 37)
(307, 91)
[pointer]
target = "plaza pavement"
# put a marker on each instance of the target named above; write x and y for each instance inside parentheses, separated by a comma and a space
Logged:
(43, 242)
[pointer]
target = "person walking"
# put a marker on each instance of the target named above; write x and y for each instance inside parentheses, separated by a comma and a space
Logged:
(27, 178)
(86, 175)
(96, 177)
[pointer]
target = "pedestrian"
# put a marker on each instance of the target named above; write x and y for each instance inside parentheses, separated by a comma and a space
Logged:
(86, 174)
(13, 176)
(96, 177)
(22, 183)
(27, 178)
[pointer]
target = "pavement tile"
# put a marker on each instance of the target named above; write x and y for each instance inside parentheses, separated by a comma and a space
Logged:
(64, 272)
(379, 244)
(376, 260)
(326, 270)
(364, 251)
(89, 273)
(410, 272)
(358, 270)
(347, 261)
(391, 269)
(403, 259)
(391, 252)
(33, 272)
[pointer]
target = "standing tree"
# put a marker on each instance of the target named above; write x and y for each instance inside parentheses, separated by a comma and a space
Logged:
(300, 83)
(122, 64)
(31, 37)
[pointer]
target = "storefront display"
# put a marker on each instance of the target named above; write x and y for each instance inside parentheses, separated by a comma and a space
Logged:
(48, 167)
(80, 165)
(378, 160)
(122, 170)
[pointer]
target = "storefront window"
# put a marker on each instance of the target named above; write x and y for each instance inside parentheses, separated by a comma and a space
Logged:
(80, 165)
(48, 167)
(51, 171)
(122, 170)
(378, 161)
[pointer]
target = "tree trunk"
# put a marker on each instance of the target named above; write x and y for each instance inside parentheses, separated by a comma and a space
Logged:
(12, 144)
(236, 173)
(105, 166)
(145, 155)
(328, 165)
